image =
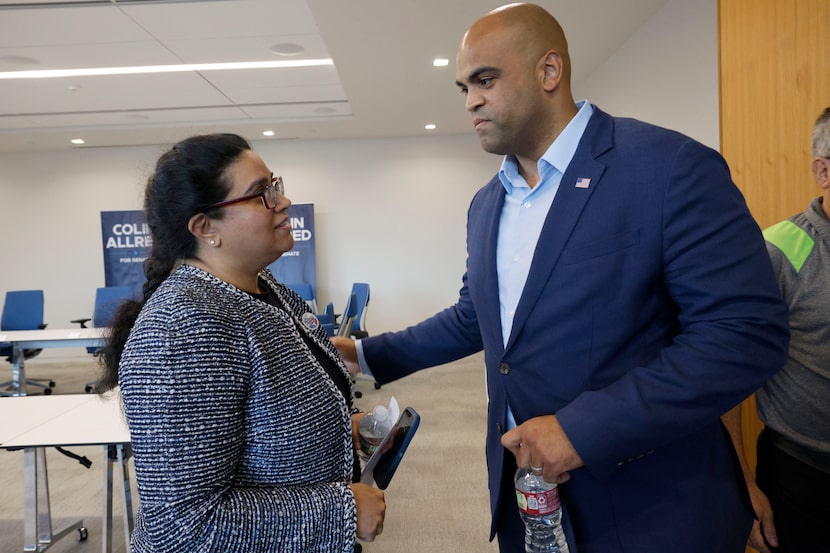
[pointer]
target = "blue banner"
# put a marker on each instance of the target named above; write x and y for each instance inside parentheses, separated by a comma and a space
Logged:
(126, 238)
(127, 241)
(300, 264)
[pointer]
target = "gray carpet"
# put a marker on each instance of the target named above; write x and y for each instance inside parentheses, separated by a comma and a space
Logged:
(437, 501)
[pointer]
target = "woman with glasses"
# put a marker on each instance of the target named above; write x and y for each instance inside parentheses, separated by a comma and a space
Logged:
(239, 408)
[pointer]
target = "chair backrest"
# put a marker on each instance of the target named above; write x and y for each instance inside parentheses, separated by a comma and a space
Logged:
(107, 301)
(361, 290)
(325, 318)
(305, 291)
(23, 310)
(349, 315)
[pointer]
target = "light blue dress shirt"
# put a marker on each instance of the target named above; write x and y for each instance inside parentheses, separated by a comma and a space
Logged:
(522, 216)
(524, 212)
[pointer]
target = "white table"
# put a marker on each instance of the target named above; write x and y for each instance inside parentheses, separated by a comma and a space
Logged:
(65, 420)
(41, 339)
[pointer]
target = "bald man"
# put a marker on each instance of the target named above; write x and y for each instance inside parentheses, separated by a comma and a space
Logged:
(623, 298)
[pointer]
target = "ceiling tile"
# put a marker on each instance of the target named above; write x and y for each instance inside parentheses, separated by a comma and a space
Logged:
(118, 92)
(252, 48)
(312, 110)
(75, 25)
(78, 56)
(223, 18)
(139, 118)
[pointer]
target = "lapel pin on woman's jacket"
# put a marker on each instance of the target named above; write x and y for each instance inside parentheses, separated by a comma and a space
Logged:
(310, 321)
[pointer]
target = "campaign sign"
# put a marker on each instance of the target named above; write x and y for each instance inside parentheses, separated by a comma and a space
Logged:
(300, 264)
(126, 240)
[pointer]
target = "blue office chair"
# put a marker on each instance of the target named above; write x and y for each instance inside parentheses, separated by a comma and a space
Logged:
(360, 294)
(361, 291)
(306, 292)
(345, 329)
(107, 301)
(23, 310)
(349, 317)
(327, 319)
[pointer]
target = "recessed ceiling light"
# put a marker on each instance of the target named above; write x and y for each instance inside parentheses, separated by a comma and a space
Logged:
(77, 141)
(430, 126)
(287, 49)
(440, 62)
(267, 133)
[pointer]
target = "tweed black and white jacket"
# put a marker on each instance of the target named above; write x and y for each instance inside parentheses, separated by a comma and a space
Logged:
(242, 442)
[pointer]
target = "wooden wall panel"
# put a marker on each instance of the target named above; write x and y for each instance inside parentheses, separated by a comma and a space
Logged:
(774, 82)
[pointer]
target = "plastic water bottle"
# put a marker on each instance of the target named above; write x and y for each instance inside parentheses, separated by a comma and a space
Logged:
(541, 512)
(373, 429)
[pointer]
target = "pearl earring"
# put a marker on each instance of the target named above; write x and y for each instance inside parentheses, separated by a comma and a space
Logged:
(212, 242)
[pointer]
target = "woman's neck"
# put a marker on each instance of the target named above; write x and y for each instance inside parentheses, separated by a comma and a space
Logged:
(247, 281)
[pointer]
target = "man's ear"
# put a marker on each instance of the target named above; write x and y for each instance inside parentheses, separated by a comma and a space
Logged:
(821, 172)
(552, 70)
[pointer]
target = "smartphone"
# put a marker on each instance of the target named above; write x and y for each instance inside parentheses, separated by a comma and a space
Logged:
(385, 460)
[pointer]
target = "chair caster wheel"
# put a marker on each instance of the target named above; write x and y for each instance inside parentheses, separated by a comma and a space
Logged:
(51, 383)
(47, 392)
(88, 389)
(358, 394)
(83, 533)
(377, 386)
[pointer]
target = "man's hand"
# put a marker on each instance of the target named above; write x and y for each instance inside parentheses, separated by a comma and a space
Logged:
(345, 346)
(763, 530)
(540, 442)
(763, 535)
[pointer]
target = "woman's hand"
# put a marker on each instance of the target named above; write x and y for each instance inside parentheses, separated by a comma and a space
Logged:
(356, 418)
(371, 510)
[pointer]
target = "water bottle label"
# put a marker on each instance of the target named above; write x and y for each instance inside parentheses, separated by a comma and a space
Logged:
(538, 504)
(366, 447)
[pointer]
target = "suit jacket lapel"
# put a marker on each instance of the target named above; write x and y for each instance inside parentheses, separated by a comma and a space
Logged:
(565, 212)
(487, 303)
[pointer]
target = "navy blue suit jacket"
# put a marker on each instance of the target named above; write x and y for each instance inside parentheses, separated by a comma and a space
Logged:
(650, 309)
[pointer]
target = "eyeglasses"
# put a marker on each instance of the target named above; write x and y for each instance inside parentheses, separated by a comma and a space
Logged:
(267, 194)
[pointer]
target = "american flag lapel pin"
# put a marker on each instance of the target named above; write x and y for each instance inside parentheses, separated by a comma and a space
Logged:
(583, 182)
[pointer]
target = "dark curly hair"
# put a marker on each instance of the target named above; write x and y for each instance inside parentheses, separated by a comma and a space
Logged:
(188, 177)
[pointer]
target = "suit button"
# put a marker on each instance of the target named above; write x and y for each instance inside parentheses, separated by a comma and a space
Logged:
(504, 368)
(499, 428)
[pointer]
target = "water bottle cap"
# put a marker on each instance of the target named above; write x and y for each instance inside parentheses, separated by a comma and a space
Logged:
(380, 413)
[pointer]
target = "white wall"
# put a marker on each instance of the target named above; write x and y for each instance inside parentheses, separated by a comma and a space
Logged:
(389, 212)
(667, 73)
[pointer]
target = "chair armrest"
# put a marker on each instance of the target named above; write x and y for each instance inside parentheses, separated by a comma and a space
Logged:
(81, 322)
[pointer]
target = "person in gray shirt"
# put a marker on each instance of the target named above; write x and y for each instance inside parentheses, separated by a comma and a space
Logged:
(789, 493)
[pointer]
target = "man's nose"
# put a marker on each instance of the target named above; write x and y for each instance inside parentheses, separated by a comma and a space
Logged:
(473, 101)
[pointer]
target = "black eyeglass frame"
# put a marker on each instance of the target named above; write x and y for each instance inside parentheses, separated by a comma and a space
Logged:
(276, 185)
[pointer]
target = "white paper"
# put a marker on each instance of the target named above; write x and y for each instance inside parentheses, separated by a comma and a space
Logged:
(394, 410)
